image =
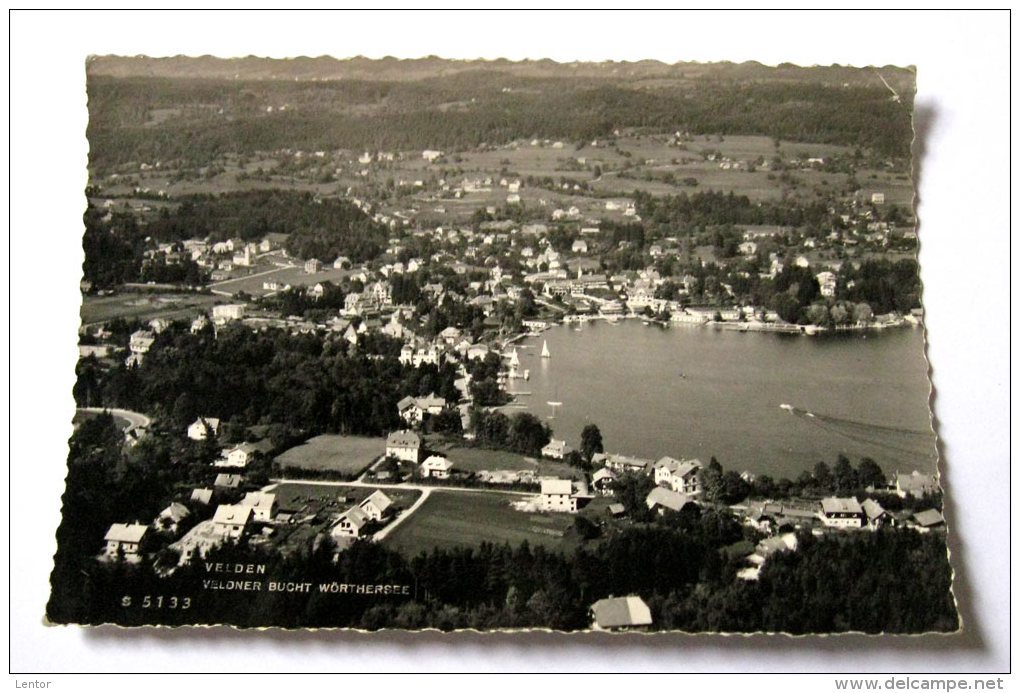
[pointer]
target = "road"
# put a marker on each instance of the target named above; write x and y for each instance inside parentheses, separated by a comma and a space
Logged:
(135, 419)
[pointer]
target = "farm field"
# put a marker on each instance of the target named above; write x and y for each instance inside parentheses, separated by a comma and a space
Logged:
(294, 276)
(451, 519)
(349, 455)
(476, 459)
(96, 309)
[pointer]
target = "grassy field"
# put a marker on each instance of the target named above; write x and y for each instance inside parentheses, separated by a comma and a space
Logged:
(95, 309)
(476, 459)
(451, 519)
(345, 454)
(294, 276)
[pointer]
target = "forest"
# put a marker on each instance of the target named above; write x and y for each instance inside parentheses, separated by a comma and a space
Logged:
(211, 118)
(249, 378)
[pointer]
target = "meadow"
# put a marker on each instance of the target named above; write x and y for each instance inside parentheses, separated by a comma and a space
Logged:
(452, 519)
(348, 455)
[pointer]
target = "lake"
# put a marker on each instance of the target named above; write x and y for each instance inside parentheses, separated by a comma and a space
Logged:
(703, 392)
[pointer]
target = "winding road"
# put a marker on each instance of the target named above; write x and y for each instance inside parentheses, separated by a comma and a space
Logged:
(134, 418)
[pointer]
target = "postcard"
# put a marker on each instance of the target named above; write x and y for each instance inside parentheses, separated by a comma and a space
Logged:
(494, 345)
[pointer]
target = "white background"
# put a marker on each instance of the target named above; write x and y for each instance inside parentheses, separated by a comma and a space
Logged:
(963, 94)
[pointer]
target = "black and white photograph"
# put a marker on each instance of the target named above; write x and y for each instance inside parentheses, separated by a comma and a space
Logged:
(429, 343)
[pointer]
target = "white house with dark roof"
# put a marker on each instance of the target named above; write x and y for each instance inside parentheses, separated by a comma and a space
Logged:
(124, 538)
(622, 463)
(202, 427)
(661, 499)
(603, 481)
(376, 505)
(680, 476)
(404, 445)
(436, 467)
(232, 520)
(263, 505)
(238, 456)
(558, 496)
(842, 513)
(875, 515)
(621, 614)
(555, 449)
(350, 523)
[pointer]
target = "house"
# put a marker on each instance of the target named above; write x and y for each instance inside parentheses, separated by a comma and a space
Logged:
(263, 505)
(203, 495)
(616, 509)
(202, 427)
(558, 496)
(350, 523)
(622, 463)
(603, 481)
(409, 410)
(679, 475)
(228, 312)
(312, 266)
(124, 539)
(227, 481)
(556, 449)
(927, 520)
(450, 335)
(376, 505)
(875, 515)
(661, 499)
(140, 343)
(238, 456)
(827, 283)
(232, 520)
(621, 614)
(579, 246)
(170, 519)
(404, 445)
(842, 513)
(915, 484)
(436, 467)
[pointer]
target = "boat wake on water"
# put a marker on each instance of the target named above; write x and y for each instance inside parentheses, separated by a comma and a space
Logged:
(908, 441)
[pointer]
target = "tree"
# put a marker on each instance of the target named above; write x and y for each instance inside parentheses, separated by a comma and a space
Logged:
(591, 442)
(845, 476)
(869, 474)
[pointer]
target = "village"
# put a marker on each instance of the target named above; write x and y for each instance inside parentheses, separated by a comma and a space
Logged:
(512, 276)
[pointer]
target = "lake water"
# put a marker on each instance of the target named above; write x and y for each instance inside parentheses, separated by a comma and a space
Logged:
(699, 392)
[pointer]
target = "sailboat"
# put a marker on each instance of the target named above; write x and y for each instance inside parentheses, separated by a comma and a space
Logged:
(545, 350)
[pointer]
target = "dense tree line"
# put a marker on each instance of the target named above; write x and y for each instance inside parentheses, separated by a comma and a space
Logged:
(523, 433)
(411, 115)
(306, 382)
(323, 228)
(689, 213)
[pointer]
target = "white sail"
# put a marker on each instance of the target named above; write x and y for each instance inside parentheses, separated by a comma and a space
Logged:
(545, 350)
